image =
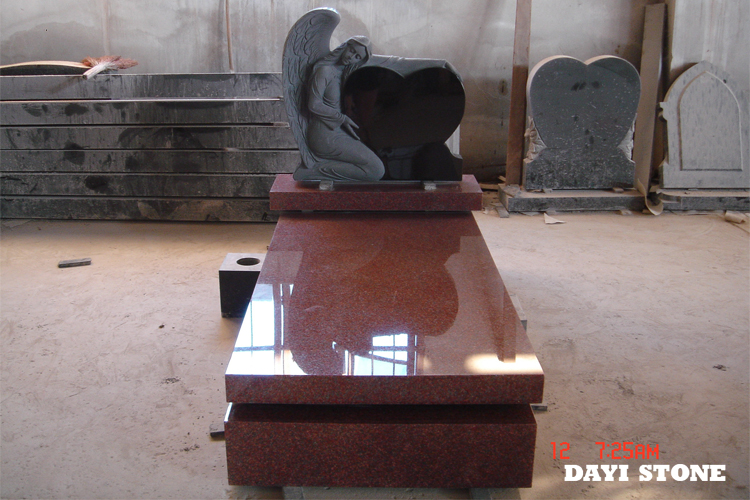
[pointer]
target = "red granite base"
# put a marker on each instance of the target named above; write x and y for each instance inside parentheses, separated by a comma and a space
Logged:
(464, 195)
(404, 446)
(379, 308)
(380, 348)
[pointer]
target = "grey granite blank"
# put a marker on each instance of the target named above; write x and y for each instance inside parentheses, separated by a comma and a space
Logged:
(707, 131)
(570, 200)
(581, 117)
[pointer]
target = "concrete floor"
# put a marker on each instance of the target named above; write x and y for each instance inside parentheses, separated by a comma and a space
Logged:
(112, 373)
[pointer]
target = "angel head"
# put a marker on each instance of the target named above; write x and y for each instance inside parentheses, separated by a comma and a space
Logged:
(350, 54)
(356, 51)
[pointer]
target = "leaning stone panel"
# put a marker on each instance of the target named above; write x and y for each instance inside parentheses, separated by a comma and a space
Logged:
(581, 117)
(707, 131)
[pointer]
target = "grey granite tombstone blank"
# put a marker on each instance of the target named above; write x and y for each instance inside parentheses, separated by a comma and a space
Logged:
(707, 131)
(581, 118)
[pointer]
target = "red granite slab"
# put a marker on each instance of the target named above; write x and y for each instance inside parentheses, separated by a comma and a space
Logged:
(452, 446)
(288, 194)
(381, 308)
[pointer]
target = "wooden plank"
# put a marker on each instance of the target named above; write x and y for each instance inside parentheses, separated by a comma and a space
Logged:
(150, 161)
(517, 115)
(113, 208)
(183, 137)
(134, 86)
(138, 185)
(159, 112)
(651, 95)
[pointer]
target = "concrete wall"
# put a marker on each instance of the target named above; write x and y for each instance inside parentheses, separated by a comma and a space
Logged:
(717, 31)
(475, 35)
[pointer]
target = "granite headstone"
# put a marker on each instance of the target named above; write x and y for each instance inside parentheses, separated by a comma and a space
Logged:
(581, 118)
(707, 131)
(361, 117)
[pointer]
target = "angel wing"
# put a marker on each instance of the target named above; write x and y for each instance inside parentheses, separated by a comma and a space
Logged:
(307, 42)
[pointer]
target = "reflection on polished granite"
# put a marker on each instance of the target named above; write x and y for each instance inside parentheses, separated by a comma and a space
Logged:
(381, 308)
(464, 195)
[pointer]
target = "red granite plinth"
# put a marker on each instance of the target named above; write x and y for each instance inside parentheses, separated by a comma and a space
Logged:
(381, 348)
(464, 195)
(381, 308)
(407, 446)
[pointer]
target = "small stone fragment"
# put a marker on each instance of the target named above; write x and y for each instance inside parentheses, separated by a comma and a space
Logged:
(74, 263)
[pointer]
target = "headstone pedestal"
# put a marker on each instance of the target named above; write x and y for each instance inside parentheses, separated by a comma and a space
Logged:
(381, 348)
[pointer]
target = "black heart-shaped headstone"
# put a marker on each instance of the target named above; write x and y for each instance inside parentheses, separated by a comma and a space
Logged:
(406, 121)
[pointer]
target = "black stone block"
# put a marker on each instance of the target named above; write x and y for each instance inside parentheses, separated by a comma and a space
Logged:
(238, 275)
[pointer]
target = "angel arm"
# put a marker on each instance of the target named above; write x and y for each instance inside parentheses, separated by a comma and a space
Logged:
(318, 104)
(407, 65)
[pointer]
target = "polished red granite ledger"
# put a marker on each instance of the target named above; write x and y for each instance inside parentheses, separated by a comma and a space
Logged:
(417, 446)
(380, 348)
(377, 308)
(464, 195)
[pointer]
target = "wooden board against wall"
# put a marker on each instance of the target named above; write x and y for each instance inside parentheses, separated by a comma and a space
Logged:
(157, 147)
(651, 93)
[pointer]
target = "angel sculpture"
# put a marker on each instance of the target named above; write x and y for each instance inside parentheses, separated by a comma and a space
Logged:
(330, 134)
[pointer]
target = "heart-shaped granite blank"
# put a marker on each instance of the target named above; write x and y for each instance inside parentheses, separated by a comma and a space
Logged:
(582, 113)
(407, 120)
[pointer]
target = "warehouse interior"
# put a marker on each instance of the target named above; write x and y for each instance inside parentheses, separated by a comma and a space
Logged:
(112, 374)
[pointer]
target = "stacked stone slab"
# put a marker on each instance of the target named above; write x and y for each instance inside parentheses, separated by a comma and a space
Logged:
(180, 147)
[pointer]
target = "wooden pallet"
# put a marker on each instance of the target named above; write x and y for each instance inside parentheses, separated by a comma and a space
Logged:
(153, 147)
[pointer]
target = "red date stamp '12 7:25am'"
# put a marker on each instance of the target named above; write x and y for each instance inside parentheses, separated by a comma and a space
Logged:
(627, 450)
(618, 451)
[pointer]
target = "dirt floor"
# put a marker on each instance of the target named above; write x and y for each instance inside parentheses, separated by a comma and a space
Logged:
(112, 373)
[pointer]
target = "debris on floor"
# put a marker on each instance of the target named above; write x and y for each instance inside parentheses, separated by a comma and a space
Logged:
(74, 263)
(14, 223)
(734, 217)
(552, 220)
(501, 210)
(216, 430)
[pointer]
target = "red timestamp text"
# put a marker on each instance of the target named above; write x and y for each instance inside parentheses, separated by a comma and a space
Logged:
(627, 450)
(559, 449)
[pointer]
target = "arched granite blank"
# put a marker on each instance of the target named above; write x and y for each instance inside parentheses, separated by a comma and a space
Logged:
(707, 131)
(581, 118)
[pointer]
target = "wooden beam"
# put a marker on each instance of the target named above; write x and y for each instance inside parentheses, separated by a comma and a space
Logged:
(517, 116)
(652, 80)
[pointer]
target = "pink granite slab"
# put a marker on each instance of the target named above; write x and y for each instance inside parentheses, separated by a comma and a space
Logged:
(445, 446)
(381, 308)
(288, 194)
